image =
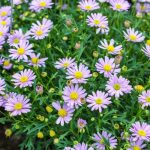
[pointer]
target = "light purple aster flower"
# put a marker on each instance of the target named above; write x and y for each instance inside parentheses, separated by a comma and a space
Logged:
(140, 131)
(5, 11)
(117, 86)
(119, 5)
(3, 31)
(68, 148)
(73, 95)
(2, 41)
(133, 36)
(65, 113)
(2, 86)
(21, 51)
(2, 101)
(101, 139)
(81, 123)
(138, 145)
(41, 30)
(82, 146)
(5, 21)
(17, 2)
(24, 78)
(17, 36)
(144, 98)
(107, 67)
(146, 50)
(38, 5)
(65, 63)
(36, 61)
(78, 74)
(88, 5)
(98, 100)
(7, 65)
(18, 105)
(109, 46)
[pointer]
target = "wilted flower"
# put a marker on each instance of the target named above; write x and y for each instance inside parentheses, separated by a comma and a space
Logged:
(81, 123)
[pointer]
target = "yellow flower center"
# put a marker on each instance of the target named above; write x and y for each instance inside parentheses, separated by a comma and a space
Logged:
(21, 51)
(1, 33)
(66, 64)
(16, 41)
(139, 88)
(101, 141)
(6, 63)
(24, 79)
(4, 13)
(133, 37)
(99, 101)
(3, 23)
(107, 67)
(141, 133)
(18, 106)
(97, 22)
(136, 148)
(74, 95)
(62, 113)
(142, 7)
(110, 48)
(88, 7)
(148, 99)
(148, 42)
(35, 60)
(39, 32)
(78, 74)
(118, 6)
(117, 86)
(43, 4)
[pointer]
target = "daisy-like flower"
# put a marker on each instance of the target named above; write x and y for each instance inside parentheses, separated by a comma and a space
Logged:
(24, 78)
(144, 98)
(73, 95)
(21, 51)
(17, 36)
(140, 131)
(98, 100)
(107, 67)
(133, 36)
(117, 86)
(2, 41)
(65, 63)
(138, 145)
(109, 46)
(5, 21)
(3, 31)
(41, 30)
(81, 123)
(5, 11)
(100, 140)
(2, 86)
(146, 50)
(38, 5)
(7, 65)
(82, 146)
(18, 105)
(36, 61)
(65, 113)
(119, 5)
(88, 5)
(78, 74)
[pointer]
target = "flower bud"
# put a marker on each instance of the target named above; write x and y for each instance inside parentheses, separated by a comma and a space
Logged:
(40, 135)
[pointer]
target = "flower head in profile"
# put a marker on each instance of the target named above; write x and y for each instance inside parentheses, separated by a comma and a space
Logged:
(88, 5)
(81, 123)
(65, 113)
(119, 5)
(36, 61)
(7, 64)
(21, 51)
(134, 36)
(78, 74)
(146, 50)
(140, 131)
(101, 139)
(144, 98)
(38, 5)
(17, 105)
(40, 30)
(107, 67)
(24, 78)
(137, 145)
(2, 86)
(98, 101)
(5, 11)
(110, 47)
(117, 86)
(73, 95)
(65, 63)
